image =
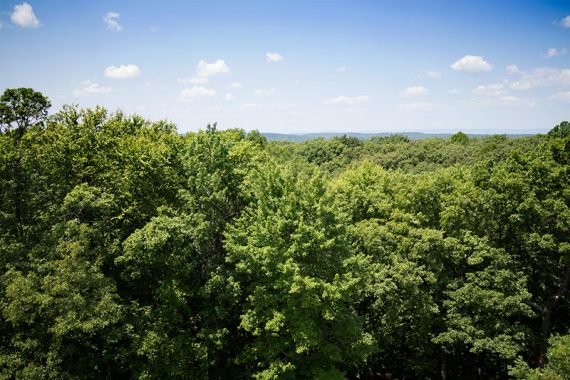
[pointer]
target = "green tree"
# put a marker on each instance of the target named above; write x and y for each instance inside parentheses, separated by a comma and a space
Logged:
(522, 206)
(299, 280)
(422, 276)
(63, 314)
(459, 138)
(561, 130)
(558, 366)
(22, 108)
(182, 292)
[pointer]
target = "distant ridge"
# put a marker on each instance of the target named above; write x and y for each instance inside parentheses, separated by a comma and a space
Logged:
(365, 136)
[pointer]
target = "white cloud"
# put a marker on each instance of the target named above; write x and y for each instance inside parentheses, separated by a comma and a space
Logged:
(512, 69)
(521, 85)
(565, 23)
(510, 101)
(154, 28)
(347, 100)
(194, 80)
(341, 69)
(123, 71)
(561, 96)
(279, 106)
(198, 108)
(235, 85)
(250, 105)
(542, 77)
(111, 19)
(266, 92)
(497, 95)
(24, 16)
(553, 52)
(268, 107)
(453, 91)
(429, 73)
(415, 91)
(229, 96)
(273, 57)
(472, 64)
(206, 70)
(87, 88)
(419, 106)
(492, 90)
(189, 94)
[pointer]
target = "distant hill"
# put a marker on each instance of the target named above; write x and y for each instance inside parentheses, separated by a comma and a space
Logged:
(366, 136)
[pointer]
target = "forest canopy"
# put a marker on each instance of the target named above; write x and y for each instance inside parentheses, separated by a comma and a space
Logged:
(128, 250)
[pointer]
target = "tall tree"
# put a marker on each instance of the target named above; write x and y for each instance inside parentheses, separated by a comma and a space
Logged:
(522, 206)
(299, 280)
(183, 298)
(21, 108)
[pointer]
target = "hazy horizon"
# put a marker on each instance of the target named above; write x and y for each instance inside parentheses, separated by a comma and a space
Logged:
(300, 67)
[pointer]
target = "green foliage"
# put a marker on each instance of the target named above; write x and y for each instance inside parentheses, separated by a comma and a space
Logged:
(399, 152)
(484, 307)
(459, 138)
(561, 130)
(215, 167)
(22, 108)
(63, 313)
(431, 286)
(558, 367)
(558, 358)
(129, 251)
(167, 269)
(183, 296)
(299, 280)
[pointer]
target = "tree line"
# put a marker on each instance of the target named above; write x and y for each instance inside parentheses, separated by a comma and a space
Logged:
(128, 250)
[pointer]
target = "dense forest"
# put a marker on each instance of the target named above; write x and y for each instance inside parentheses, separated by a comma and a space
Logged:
(128, 250)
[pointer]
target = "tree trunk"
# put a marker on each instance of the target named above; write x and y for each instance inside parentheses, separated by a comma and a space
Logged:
(443, 369)
(545, 333)
(546, 315)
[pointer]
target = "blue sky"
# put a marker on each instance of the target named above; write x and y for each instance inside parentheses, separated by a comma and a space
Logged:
(299, 66)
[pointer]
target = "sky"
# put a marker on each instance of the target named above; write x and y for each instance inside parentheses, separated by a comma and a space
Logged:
(299, 66)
